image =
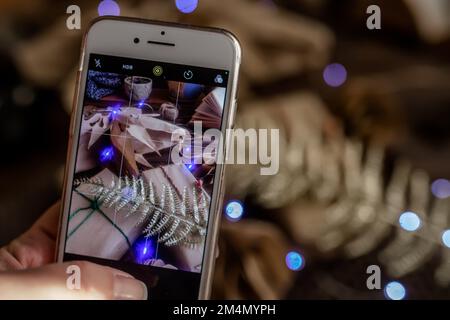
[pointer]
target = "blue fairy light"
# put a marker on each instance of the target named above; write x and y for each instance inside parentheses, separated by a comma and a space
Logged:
(294, 261)
(186, 153)
(394, 291)
(446, 238)
(191, 167)
(107, 154)
(128, 193)
(234, 210)
(144, 249)
(186, 6)
(108, 8)
(335, 75)
(441, 188)
(409, 221)
(114, 112)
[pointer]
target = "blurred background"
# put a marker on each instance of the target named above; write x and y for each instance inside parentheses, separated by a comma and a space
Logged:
(364, 119)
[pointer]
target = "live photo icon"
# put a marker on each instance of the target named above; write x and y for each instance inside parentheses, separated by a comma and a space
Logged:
(218, 79)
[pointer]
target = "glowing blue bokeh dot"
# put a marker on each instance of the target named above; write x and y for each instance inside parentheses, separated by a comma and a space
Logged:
(107, 154)
(395, 291)
(335, 75)
(441, 188)
(144, 249)
(186, 6)
(446, 238)
(294, 261)
(108, 8)
(114, 112)
(234, 210)
(409, 221)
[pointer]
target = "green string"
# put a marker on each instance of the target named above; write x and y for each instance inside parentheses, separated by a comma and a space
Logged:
(77, 211)
(79, 225)
(95, 207)
(116, 227)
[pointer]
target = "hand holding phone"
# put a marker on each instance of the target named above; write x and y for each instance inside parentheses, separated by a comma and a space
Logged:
(27, 271)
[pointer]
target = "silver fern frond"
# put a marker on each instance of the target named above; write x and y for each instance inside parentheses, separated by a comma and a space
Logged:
(175, 218)
(360, 191)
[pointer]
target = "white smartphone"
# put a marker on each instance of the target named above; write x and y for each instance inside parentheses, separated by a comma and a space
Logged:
(137, 197)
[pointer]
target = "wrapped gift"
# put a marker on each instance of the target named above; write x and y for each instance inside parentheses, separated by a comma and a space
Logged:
(109, 214)
(189, 257)
(98, 231)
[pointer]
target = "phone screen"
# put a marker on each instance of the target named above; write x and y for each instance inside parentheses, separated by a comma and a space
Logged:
(145, 170)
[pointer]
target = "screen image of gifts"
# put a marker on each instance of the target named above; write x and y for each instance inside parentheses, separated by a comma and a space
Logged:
(130, 201)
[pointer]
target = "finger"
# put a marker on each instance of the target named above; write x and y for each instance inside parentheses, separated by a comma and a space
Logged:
(77, 280)
(48, 222)
(36, 246)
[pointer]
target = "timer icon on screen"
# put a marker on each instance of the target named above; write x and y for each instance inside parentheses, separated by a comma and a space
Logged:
(188, 74)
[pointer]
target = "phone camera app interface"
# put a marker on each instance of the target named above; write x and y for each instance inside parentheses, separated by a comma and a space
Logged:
(132, 203)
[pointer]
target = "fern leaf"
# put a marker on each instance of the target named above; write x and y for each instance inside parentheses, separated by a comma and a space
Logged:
(176, 219)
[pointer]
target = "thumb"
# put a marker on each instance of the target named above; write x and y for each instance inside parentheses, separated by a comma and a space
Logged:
(71, 280)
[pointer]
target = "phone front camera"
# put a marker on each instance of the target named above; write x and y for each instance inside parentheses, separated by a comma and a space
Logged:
(136, 40)
(163, 33)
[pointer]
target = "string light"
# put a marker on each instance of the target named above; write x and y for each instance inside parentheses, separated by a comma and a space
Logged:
(107, 154)
(409, 221)
(144, 249)
(234, 210)
(441, 188)
(294, 261)
(186, 6)
(395, 291)
(446, 238)
(128, 193)
(335, 75)
(108, 8)
(114, 112)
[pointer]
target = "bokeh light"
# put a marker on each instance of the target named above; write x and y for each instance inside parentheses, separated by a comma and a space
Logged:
(446, 238)
(108, 8)
(114, 113)
(186, 6)
(409, 221)
(395, 291)
(107, 154)
(295, 261)
(335, 75)
(128, 193)
(441, 188)
(144, 249)
(234, 210)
